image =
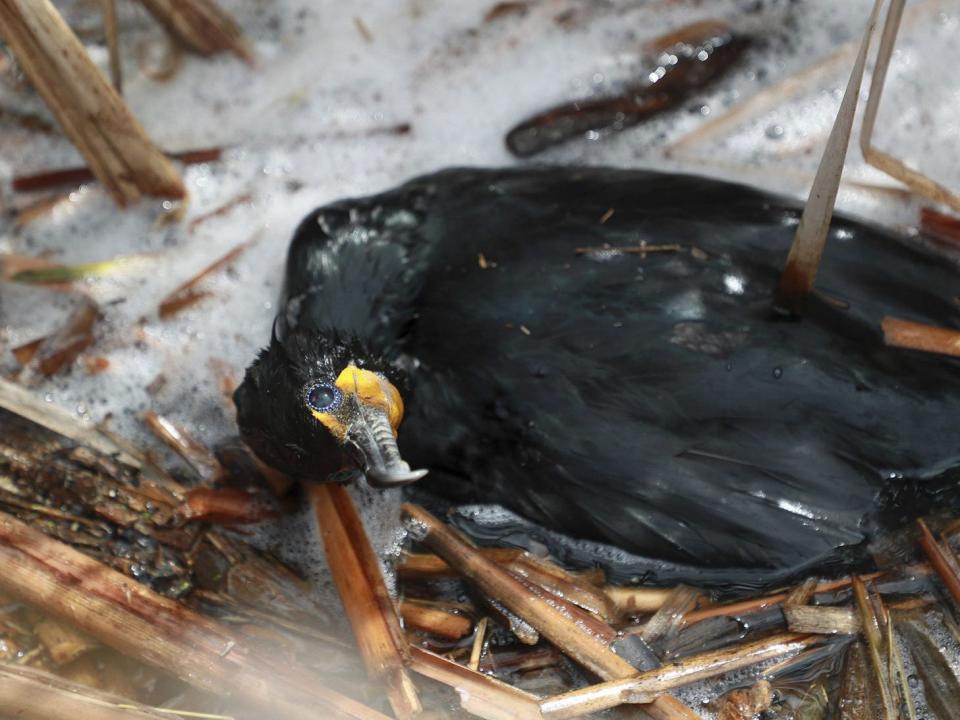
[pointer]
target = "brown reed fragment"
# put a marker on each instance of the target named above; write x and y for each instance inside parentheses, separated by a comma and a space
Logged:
(938, 559)
(875, 646)
(943, 228)
(498, 584)
(636, 600)
(356, 573)
(202, 26)
(185, 294)
(90, 112)
(558, 622)
(480, 694)
(434, 621)
(426, 566)
(645, 686)
(760, 603)
(476, 650)
(917, 336)
(821, 620)
(196, 455)
(79, 175)
(134, 620)
(30, 694)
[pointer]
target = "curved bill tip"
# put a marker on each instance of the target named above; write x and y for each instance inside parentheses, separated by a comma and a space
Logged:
(389, 479)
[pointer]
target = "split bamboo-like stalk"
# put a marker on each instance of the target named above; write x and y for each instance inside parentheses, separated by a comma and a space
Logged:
(480, 694)
(29, 694)
(803, 261)
(91, 113)
(917, 336)
(137, 622)
(875, 649)
(202, 26)
(556, 624)
(355, 568)
(647, 685)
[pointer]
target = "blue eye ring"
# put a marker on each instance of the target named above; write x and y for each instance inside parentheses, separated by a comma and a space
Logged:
(322, 397)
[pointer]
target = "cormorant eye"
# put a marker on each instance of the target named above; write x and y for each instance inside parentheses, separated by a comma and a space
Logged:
(323, 397)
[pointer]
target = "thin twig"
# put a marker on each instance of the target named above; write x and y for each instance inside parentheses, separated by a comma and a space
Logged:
(202, 26)
(939, 561)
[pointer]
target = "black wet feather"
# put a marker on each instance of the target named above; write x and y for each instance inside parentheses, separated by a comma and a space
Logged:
(653, 402)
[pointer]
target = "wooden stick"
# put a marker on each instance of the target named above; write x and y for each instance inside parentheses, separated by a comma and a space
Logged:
(30, 694)
(800, 270)
(202, 26)
(636, 600)
(917, 336)
(480, 694)
(554, 622)
(938, 560)
(644, 687)
(91, 113)
(138, 622)
(355, 568)
(434, 621)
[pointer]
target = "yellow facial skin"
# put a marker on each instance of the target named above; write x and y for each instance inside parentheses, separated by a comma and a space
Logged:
(371, 390)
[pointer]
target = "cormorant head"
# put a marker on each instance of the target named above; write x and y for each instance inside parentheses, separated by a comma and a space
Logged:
(314, 404)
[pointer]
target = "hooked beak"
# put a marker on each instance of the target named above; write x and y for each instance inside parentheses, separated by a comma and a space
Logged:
(372, 434)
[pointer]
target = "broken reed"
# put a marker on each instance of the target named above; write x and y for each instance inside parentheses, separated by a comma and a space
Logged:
(89, 110)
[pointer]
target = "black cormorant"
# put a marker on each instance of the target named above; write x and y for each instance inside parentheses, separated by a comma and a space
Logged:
(648, 399)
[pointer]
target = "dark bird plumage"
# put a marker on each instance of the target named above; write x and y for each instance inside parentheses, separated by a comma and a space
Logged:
(653, 401)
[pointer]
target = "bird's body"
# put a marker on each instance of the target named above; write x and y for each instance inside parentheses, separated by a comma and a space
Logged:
(651, 401)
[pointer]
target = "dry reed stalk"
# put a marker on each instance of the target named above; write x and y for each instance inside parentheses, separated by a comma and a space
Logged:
(91, 113)
(917, 336)
(29, 694)
(355, 568)
(498, 584)
(186, 294)
(875, 647)
(480, 694)
(636, 600)
(476, 650)
(884, 161)
(557, 623)
(939, 560)
(754, 604)
(184, 444)
(141, 624)
(815, 620)
(642, 688)
(434, 621)
(426, 566)
(202, 26)
(803, 261)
